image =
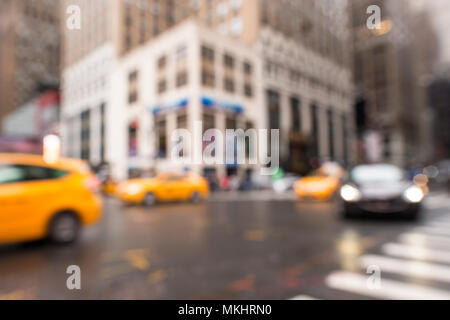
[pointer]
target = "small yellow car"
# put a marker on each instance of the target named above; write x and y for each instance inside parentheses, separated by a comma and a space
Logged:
(318, 187)
(109, 187)
(39, 200)
(164, 187)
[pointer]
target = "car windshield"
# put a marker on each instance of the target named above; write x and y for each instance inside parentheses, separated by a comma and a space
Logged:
(376, 174)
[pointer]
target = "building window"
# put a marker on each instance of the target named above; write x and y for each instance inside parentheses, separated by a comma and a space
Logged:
(273, 99)
(182, 123)
(315, 130)
(248, 90)
(207, 54)
(127, 41)
(182, 79)
(162, 86)
(248, 69)
(208, 79)
(345, 138)
(295, 114)
(132, 76)
(132, 139)
(208, 120)
(181, 54)
(330, 134)
(85, 135)
(228, 61)
(102, 131)
(161, 138)
(248, 147)
(228, 85)
(162, 62)
(231, 123)
(133, 87)
(294, 76)
(155, 27)
(132, 97)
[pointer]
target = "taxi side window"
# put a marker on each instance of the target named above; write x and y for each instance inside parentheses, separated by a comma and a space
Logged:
(175, 178)
(11, 173)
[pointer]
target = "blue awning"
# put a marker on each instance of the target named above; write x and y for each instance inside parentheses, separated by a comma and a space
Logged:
(183, 103)
(210, 102)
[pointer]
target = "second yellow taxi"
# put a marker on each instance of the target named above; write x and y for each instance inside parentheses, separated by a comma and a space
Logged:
(164, 187)
(322, 185)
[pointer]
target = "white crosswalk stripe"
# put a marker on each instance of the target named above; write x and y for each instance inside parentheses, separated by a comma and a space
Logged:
(438, 201)
(389, 289)
(422, 253)
(416, 252)
(439, 224)
(422, 239)
(303, 297)
(433, 230)
(408, 267)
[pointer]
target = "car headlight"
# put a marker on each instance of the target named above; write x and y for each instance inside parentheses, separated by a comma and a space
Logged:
(133, 189)
(413, 194)
(350, 193)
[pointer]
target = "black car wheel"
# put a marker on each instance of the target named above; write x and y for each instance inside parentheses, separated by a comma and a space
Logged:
(149, 200)
(195, 197)
(64, 228)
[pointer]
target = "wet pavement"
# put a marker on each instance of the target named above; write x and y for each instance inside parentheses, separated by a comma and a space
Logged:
(246, 246)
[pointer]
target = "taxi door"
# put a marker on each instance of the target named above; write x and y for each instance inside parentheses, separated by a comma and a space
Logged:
(13, 204)
(26, 195)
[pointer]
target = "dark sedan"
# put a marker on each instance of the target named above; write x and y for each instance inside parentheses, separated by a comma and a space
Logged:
(380, 189)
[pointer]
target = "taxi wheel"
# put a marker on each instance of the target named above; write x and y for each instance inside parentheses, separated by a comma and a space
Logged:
(149, 200)
(64, 228)
(195, 197)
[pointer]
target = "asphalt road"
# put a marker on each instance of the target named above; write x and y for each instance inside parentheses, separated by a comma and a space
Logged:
(244, 246)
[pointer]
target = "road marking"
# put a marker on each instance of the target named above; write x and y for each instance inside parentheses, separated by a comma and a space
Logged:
(408, 268)
(423, 239)
(436, 199)
(439, 224)
(157, 276)
(433, 230)
(137, 258)
(357, 283)
(303, 297)
(416, 252)
(442, 219)
(437, 205)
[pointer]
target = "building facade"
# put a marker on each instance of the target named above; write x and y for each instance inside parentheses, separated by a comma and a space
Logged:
(389, 64)
(190, 74)
(29, 50)
(226, 65)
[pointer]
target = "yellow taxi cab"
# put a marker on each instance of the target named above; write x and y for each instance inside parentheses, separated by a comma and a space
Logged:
(109, 187)
(40, 200)
(164, 187)
(321, 185)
